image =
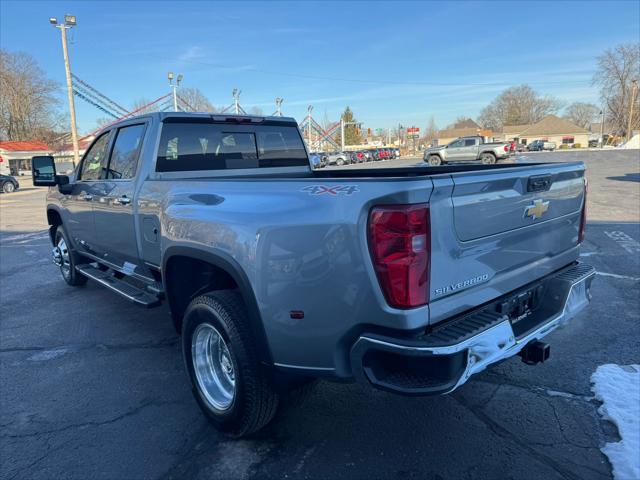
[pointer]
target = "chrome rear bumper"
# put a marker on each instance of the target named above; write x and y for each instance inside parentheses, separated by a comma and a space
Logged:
(440, 362)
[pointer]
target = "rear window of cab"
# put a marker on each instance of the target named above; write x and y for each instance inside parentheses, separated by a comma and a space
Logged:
(220, 146)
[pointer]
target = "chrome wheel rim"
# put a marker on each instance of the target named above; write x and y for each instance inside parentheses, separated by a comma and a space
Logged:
(213, 366)
(8, 187)
(61, 258)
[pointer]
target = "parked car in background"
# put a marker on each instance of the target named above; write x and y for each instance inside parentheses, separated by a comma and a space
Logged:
(396, 152)
(8, 184)
(375, 154)
(466, 149)
(540, 145)
(521, 147)
(339, 158)
(324, 161)
(357, 157)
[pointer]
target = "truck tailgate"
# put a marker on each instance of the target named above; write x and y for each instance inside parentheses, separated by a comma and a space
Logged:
(494, 231)
(495, 202)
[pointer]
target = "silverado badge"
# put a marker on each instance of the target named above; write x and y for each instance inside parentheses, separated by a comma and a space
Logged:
(537, 209)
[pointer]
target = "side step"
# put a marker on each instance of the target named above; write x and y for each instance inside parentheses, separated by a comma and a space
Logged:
(114, 284)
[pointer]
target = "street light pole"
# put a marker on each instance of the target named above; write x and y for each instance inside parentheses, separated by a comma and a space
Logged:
(174, 88)
(309, 109)
(69, 22)
(602, 129)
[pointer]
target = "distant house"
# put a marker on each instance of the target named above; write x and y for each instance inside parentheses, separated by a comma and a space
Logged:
(15, 157)
(551, 128)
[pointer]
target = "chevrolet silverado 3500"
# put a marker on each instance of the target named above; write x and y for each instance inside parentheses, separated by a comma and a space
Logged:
(408, 279)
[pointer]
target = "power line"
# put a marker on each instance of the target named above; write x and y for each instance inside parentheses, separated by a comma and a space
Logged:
(106, 99)
(88, 100)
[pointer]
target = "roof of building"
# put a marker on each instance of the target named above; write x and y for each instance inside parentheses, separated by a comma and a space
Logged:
(553, 125)
(24, 146)
(463, 132)
(458, 132)
(466, 123)
(515, 129)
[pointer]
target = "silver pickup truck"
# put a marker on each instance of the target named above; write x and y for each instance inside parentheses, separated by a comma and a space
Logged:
(467, 149)
(408, 279)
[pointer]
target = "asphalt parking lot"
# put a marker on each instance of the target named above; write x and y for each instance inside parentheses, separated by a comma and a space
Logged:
(92, 386)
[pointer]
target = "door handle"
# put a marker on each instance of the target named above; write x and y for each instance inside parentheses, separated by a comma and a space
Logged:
(124, 200)
(88, 198)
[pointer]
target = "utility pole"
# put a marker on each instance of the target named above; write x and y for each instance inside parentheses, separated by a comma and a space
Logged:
(69, 22)
(341, 134)
(174, 87)
(634, 89)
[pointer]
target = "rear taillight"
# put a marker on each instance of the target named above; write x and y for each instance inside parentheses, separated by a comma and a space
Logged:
(506, 148)
(400, 245)
(583, 215)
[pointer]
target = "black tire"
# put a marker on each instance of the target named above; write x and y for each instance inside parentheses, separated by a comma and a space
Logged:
(254, 401)
(340, 162)
(8, 187)
(68, 272)
(488, 158)
(435, 160)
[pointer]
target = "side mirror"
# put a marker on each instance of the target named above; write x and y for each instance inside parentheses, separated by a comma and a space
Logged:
(43, 171)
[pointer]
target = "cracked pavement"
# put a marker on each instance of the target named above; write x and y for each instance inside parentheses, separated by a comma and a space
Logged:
(92, 386)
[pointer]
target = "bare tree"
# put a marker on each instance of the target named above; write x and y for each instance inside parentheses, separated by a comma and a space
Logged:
(140, 106)
(195, 100)
(582, 114)
(28, 102)
(517, 106)
(617, 69)
(431, 132)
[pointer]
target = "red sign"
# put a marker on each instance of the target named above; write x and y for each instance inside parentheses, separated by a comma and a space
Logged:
(413, 130)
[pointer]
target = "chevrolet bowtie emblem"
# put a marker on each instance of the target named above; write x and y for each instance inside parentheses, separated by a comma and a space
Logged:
(537, 209)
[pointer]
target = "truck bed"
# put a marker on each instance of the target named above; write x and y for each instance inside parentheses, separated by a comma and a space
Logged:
(425, 170)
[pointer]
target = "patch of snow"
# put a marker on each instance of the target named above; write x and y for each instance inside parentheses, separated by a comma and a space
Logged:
(45, 355)
(618, 388)
(633, 143)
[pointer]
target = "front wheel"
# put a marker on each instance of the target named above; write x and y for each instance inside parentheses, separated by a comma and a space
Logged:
(487, 158)
(232, 388)
(65, 258)
(435, 160)
(8, 187)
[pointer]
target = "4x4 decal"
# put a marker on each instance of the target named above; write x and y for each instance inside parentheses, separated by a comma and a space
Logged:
(331, 190)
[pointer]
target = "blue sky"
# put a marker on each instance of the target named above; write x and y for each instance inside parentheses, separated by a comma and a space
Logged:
(390, 61)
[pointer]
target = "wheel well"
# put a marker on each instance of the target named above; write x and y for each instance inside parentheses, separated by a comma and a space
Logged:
(55, 220)
(489, 152)
(185, 278)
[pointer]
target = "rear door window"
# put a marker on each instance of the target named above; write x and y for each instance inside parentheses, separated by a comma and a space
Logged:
(213, 146)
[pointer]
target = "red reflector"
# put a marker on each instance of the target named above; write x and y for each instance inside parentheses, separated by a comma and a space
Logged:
(583, 215)
(296, 314)
(506, 148)
(400, 245)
